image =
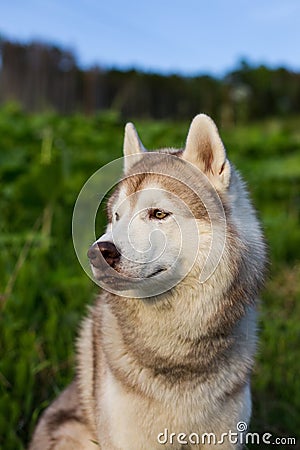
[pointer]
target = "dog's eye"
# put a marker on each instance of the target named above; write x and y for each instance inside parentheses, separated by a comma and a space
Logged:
(158, 214)
(117, 217)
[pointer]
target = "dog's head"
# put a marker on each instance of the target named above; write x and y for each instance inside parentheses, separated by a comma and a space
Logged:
(163, 213)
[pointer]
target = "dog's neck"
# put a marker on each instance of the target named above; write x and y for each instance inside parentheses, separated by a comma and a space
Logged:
(171, 339)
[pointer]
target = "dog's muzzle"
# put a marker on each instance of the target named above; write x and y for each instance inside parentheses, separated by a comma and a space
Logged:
(103, 250)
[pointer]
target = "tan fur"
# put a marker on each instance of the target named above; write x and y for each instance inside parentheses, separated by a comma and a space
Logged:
(181, 360)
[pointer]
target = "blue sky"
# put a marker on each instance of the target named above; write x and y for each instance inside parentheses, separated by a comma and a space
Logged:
(192, 36)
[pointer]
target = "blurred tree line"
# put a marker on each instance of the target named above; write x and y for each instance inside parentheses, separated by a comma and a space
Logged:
(41, 76)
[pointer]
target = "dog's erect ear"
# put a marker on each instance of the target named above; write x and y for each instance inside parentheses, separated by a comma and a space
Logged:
(133, 147)
(206, 151)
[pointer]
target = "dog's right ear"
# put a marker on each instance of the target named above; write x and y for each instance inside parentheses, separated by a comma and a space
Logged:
(133, 147)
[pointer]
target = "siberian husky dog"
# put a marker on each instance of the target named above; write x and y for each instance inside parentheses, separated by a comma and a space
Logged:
(165, 356)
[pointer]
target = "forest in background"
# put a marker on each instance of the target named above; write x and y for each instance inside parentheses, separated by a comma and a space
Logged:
(43, 77)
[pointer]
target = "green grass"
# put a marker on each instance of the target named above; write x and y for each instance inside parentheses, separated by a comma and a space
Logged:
(44, 161)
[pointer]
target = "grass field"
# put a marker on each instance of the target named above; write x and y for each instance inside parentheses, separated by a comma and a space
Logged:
(44, 161)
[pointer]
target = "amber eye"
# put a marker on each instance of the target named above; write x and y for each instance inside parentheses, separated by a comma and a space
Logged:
(158, 214)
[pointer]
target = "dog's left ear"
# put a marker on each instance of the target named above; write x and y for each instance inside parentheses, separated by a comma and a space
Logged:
(204, 148)
(132, 148)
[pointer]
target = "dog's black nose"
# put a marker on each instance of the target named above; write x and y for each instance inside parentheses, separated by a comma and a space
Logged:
(107, 249)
